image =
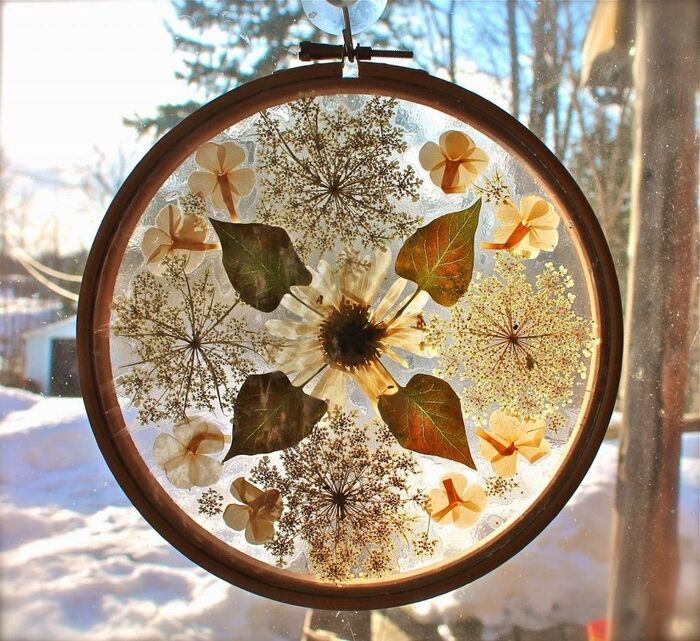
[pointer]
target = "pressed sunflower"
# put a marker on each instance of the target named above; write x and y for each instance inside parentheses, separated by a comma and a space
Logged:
(515, 345)
(342, 333)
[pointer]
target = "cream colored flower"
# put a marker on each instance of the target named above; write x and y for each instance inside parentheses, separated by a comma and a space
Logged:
(528, 229)
(456, 503)
(341, 334)
(184, 455)
(221, 181)
(257, 515)
(509, 436)
(453, 164)
(176, 234)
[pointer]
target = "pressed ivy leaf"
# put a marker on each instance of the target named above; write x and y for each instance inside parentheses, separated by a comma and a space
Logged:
(260, 261)
(426, 417)
(271, 414)
(439, 257)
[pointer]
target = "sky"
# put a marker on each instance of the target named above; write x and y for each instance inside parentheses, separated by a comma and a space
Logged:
(70, 72)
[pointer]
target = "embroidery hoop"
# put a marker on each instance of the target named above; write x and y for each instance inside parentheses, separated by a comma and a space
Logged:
(93, 335)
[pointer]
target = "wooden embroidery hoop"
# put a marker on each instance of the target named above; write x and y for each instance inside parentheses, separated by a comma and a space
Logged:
(93, 340)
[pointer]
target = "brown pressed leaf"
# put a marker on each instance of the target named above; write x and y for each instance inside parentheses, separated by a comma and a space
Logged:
(260, 261)
(426, 417)
(271, 414)
(439, 257)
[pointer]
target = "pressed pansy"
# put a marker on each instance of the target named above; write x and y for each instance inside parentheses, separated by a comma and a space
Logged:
(454, 163)
(527, 229)
(220, 180)
(456, 502)
(176, 235)
(258, 514)
(509, 436)
(342, 332)
(185, 455)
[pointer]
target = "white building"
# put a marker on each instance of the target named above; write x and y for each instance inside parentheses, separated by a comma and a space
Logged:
(50, 359)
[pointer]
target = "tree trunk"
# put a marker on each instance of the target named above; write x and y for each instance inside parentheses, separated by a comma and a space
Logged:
(664, 197)
(514, 64)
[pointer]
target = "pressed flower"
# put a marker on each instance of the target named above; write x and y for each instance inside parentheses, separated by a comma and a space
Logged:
(456, 502)
(185, 455)
(527, 229)
(220, 180)
(332, 177)
(189, 348)
(176, 234)
(515, 343)
(454, 163)
(341, 334)
(509, 436)
(348, 497)
(258, 514)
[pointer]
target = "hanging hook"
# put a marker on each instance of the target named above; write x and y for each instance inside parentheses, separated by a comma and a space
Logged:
(310, 51)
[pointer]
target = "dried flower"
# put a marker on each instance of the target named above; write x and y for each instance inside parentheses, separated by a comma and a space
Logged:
(456, 503)
(210, 502)
(526, 230)
(221, 181)
(454, 163)
(184, 456)
(258, 513)
(190, 351)
(499, 487)
(346, 497)
(516, 345)
(493, 189)
(333, 176)
(193, 204)
(175, 234)
(510, 436)
(341, 335)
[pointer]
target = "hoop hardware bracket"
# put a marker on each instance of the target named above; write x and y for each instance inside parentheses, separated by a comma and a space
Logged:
(313, 51)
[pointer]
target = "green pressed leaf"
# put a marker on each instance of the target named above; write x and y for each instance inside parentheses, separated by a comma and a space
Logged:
(260, 262)
(426, 417)
(271, 414)
(439, 257)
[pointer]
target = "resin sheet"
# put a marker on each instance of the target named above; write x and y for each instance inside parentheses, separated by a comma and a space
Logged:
(351, 337)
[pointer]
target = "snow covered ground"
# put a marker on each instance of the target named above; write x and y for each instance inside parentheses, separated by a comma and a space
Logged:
(79, 564)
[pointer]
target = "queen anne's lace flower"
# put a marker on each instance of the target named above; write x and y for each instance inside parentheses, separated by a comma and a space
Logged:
(176, 235)
(513, 343)
(258, 514)
(341, 334)
(185, 455)
(348, 501)
(456, 502)
(454, 163)
(220, 180)
(510, 436)
(528, 229)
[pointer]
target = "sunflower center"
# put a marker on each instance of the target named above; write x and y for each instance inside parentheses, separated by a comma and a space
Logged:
(348, 337)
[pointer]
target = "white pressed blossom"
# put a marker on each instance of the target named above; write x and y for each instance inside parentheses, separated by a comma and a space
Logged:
(185, 455)
(222, 180)
(344, 329)
(258, 513)
(176, 235)
(527, 229)
(454, 162)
